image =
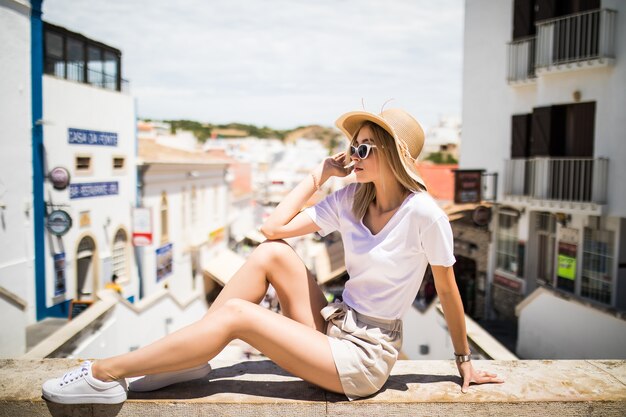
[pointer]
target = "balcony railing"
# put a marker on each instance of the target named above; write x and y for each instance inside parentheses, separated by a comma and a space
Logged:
(562, 179)
(522, 60)
(579, 37)
(587, 37)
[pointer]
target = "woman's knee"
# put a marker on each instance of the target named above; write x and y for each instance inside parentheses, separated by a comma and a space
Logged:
(271, 251)
(236, 314)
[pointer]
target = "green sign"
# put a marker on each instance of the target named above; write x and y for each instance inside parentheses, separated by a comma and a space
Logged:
(567, 267)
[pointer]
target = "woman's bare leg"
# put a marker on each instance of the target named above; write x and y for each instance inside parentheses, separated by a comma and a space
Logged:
(275, 262)
(296, 347)
(272, 262)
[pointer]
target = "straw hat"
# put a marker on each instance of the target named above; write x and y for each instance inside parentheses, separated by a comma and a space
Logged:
(406, 131)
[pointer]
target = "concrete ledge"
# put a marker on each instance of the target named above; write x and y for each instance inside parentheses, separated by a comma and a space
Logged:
(259, 388)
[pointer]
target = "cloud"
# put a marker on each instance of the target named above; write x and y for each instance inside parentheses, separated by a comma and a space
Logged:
(278, 62)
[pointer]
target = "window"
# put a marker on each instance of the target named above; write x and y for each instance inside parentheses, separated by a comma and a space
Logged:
(118, 162)
(546, 241)
(597, 279)
(74, 57)
(507, 243)
(183, 210)
(120, 247)
(110, 70)
(83, 164)
(193, 206)
(55, 58)
(164, 218)
(95, 69)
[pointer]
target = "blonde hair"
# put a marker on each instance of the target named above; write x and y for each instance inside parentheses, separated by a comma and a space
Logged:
(386, 148)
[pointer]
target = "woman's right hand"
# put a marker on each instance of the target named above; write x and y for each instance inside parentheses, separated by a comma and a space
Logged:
(334, 166)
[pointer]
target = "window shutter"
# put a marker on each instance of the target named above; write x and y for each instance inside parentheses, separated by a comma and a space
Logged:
(580, 126)
(520, 135)
(523, 18)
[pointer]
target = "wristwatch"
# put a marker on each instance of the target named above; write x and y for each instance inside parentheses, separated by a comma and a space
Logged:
(463, 358)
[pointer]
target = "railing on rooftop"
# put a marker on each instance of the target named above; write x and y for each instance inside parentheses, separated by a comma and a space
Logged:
(77, 72)
(562, 179)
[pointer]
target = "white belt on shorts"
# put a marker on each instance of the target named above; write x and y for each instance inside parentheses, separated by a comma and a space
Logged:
(342, 312)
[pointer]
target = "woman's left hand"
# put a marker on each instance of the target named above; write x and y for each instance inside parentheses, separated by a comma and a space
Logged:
(469, 374)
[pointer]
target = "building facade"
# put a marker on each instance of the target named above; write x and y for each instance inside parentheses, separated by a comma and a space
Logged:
(67, 178)
(16, 219)
(186, 197)
(543, 91)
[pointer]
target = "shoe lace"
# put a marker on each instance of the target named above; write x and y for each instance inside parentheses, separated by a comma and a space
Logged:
(75, 374)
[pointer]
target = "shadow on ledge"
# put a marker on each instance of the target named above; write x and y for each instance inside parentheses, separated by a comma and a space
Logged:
(284, 386)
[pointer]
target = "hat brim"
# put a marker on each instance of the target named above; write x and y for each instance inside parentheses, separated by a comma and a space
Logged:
(349, 123)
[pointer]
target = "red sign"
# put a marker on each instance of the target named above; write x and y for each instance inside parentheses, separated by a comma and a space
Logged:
(142, 226)
(509, 283)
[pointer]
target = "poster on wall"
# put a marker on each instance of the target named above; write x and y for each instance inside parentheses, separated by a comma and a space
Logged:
(566, 272)
(467, 186)
(142, 226)
(59, 273)
(164, 259)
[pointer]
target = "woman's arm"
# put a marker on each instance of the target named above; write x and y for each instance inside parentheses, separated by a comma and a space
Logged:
(448, 293)
(450, 299)
(286, 220)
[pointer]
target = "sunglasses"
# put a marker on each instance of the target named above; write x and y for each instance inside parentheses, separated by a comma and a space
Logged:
(362, 151)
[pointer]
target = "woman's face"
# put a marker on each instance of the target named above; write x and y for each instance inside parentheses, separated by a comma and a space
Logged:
(368, 169)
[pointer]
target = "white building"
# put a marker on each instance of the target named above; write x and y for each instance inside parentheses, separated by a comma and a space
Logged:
(444, 136)
(16, 217)
(543, 107)
(187, 196)
(68, 160)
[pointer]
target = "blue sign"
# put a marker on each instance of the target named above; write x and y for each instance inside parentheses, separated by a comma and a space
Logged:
(164, 261)
(59, 273)
(93, 189)
(91, 137)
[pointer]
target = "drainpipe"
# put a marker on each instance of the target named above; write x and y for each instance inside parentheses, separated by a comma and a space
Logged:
(36, 59)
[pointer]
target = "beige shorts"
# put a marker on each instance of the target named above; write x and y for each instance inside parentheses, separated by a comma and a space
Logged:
(364, 348)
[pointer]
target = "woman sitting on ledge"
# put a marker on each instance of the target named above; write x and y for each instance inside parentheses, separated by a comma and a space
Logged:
(391, 229)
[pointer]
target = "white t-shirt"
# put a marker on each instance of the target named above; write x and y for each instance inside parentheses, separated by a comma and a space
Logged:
(386, 269)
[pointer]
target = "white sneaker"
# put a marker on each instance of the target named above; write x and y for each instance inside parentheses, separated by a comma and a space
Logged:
(79, 386)
(157, 381)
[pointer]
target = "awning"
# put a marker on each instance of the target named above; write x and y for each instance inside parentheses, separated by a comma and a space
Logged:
(456, 211)
(223, 266)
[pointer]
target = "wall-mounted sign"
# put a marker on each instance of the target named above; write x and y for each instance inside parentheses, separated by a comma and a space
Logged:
(60, 178)
(93, 189)
(164, 261)
(566, 271)
(142, 226)
(216, 236)
(467, 186)
(84, 219)
(91, 137)
(59, 273)
(58, 222)
(512, 284)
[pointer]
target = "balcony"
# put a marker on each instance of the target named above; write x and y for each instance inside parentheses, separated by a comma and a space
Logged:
(580, 40)
(579, 183)
(522, 61)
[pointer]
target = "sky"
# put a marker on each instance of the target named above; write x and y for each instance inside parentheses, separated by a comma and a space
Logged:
(279, 63)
